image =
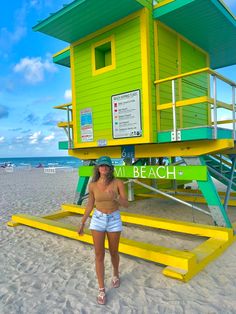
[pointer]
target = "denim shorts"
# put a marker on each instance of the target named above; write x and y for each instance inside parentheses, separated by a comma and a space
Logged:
(106, 222)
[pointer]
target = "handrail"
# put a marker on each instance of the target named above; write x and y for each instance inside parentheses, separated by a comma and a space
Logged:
(68, 125)
(63, 107)
(209, 70)
(187, 102)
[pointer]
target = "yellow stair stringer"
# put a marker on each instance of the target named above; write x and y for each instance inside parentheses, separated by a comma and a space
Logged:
(150, 252)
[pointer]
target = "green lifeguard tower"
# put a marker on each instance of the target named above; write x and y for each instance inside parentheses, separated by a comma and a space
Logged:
(144, 88)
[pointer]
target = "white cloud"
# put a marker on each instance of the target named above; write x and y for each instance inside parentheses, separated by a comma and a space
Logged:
(34, 138)
(49, 138)
(34, 69)
(68, 95)
(2, 139)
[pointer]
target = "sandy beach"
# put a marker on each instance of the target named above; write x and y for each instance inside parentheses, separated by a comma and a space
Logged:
(45, 274)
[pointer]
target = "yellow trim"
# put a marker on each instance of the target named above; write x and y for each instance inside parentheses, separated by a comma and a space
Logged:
(110, 67)
(180, 81)
(111, 142)
(146, 81)
(61, 51)
(183, 38)
(65, 124)
(107, 28)
(163, 223)
(146, 76)
(63, 107)
(196, 198)
(224, 105)
(185, 149)
(224, 121)
(157, 71)
(187, 102)
(181, 265)
(170, 78)
(209, 91)
(73, 90)
(158, 5)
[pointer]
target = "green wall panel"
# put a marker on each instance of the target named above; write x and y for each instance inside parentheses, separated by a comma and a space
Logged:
(194, 86)
(95, 91)
(176, 56)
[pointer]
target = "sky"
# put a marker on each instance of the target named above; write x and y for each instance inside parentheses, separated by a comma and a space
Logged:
(30, 84)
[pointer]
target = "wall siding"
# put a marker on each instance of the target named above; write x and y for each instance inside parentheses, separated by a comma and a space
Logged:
(95, 91)
(176, 56)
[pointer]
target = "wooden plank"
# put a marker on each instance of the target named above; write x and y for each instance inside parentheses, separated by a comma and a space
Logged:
(166, 224)
(158, 254)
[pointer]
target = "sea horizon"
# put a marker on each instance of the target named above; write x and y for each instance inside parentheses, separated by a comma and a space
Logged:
(42, 161)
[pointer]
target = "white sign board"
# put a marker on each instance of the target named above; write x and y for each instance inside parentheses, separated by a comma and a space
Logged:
(86, 125)
(126, 115)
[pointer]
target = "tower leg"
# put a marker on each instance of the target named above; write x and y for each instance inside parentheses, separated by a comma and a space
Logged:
(80, 193)
(227, 195)
(210, 193)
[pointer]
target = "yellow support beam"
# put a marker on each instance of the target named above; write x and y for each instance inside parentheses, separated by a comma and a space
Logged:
(58, 215)
(194, 198)
(64, 124)
(181, 265)
(184, 149)
(165, 224)
(205, 253)
(158, 254)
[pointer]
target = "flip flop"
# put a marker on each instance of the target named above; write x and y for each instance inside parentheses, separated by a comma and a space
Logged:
(101, 298)
(115, 282)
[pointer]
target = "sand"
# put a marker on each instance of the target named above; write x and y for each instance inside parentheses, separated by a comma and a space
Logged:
(45, 273)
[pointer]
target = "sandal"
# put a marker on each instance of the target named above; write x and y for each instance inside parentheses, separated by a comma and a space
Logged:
(101, 298)
(115, 282)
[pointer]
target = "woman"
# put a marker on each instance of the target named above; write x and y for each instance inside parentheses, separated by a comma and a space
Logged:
(107, 193)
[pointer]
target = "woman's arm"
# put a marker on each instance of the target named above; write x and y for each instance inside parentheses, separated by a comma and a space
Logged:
(122, 197)
(89, 208)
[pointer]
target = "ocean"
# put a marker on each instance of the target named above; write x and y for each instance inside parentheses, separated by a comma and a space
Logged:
(38, 162)
(35, 162)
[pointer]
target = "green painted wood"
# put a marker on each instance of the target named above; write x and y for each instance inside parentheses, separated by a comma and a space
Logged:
(211, 195)
(197, 20)
(191, 58)
(194, 86)
(63, 59)
(95, 91)
(168, 66)
(81, 189)
(203, 133)
(154, 172)
(63, 145)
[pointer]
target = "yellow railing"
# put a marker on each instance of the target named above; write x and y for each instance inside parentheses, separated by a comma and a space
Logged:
(67, 125)
(207, 98)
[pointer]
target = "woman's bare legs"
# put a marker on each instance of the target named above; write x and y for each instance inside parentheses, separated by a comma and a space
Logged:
(113, 240)
(98, 240)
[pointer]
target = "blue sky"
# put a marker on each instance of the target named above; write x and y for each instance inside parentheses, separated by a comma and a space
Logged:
(30, 84)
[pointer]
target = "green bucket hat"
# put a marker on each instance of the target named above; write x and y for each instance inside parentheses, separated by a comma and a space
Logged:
(104, 160)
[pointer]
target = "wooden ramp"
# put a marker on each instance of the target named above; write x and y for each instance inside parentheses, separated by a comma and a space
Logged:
(181, 265)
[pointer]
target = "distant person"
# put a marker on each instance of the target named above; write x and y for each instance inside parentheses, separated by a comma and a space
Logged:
(107, 193)
(39, 165)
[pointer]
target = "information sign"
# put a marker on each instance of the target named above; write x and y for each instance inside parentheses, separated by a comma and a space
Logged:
(126, 115)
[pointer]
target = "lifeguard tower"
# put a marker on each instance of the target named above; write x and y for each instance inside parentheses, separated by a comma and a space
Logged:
(144, 88)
